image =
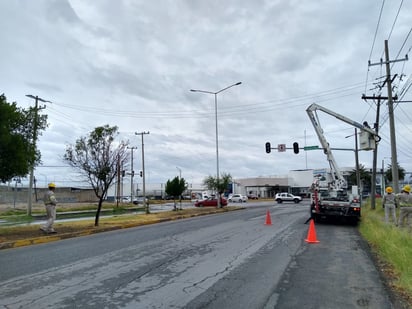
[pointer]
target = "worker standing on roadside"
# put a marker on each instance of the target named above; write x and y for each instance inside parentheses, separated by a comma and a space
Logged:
(389, 204)
(405, 206)
(50, 202)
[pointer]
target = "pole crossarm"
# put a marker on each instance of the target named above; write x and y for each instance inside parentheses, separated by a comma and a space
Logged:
(388, 61)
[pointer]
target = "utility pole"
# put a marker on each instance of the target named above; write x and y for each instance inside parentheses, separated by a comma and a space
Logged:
(395, 174)
(375, 151)
(118, 180)
(143, 173)
(35, 124)
(358, 181)
(180, 178)
(131, 175)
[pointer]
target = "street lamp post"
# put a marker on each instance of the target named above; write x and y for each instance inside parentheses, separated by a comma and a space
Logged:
(180, 178)
(217, 133)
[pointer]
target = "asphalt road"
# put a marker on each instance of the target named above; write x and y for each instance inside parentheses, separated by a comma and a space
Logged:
(230, 260)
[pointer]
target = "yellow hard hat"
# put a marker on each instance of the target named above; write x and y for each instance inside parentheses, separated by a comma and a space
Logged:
(51, 185)
(407, 188)
(389, 190)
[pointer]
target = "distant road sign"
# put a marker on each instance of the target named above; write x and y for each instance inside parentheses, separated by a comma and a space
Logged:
(281, 147)
(310, 147)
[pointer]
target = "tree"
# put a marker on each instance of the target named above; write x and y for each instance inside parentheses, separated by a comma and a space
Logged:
(175, 188)
(388, 173)
(96, 157)
(211, 184)
(18, 151)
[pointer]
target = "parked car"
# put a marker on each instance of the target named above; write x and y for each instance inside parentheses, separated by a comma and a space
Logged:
(287, 197)
(139, 200)
(237, 198)
(252, 196)
(211, 201)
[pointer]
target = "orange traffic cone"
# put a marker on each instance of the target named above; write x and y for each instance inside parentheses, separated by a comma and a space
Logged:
(311, 233)
(268, 219)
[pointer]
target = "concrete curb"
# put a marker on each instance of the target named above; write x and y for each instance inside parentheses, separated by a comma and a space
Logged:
(57, 237)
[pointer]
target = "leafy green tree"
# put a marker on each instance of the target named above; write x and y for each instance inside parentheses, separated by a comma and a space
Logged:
(401, 172)
(175, 188)
(96, 158)
(18, 152)
(211, 184)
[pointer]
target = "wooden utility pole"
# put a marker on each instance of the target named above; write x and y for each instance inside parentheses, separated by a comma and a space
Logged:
(131, 175)
(394, 157)
(118, 180)
(375, 151)
(143, 173)
(35, 125)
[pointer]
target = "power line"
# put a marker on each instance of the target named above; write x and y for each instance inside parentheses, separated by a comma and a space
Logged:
(394, 22)
(255, 107)
(403, 44)
(376, 30)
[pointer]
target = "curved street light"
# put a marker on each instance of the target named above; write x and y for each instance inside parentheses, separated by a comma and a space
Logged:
(217, 134)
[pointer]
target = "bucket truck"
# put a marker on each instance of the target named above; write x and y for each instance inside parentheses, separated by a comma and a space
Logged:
(331, 198)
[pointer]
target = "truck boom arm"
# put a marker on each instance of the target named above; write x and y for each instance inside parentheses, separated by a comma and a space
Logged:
(339, 181)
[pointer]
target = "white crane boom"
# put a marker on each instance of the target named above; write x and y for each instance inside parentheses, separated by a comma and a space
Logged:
(339, 181)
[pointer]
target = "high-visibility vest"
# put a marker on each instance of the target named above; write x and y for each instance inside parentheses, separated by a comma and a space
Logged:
(49, 198)
(404, 200)
(389, 199)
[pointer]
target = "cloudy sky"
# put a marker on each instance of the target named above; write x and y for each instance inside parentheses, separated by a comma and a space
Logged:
(132, 63)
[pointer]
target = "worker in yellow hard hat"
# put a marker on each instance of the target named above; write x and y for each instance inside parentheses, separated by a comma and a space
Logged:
(50, 203)
(405, 204)
(389, 204)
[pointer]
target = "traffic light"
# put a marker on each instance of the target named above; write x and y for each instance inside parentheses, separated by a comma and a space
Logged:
(268, 149)
(132, 173)
(123, 173)
(141, 173)
(295, 147)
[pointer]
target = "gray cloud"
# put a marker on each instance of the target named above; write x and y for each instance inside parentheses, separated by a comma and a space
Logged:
(132, 64)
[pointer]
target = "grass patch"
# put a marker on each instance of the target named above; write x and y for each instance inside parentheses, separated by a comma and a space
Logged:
(392, 245)
(17, 218)
(12, 212)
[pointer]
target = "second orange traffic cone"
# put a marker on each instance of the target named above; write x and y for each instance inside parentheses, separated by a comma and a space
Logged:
(268, 219)
(311, 233)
